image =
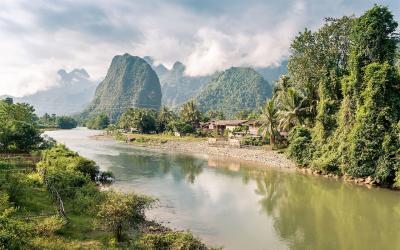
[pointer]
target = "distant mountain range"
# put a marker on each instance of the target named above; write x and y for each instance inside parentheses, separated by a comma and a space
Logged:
(134, 82)
(70, 95)
(234, 90)
(177, 88)
(130, 82)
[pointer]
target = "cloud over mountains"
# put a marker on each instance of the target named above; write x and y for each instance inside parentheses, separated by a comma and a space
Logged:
(40, 37)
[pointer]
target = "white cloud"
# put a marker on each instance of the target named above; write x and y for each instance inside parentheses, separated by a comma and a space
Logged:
(40, 37)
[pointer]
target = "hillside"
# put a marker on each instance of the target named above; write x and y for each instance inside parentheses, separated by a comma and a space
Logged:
(70, 95)
(234, 90)
(176, 87)
(130, 82)
(272, 74)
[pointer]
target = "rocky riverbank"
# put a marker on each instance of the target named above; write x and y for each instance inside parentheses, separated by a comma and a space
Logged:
(258, 155)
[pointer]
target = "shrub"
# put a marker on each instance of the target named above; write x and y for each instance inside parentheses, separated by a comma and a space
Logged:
(170, 240)
(252, 141)
(300, 148)
(50, 225)
(121, 212)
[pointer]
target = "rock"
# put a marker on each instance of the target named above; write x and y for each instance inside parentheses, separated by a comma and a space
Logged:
(130, 82)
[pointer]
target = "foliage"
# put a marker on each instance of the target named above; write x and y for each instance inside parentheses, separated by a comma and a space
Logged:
(344, 86)
(14, 234)
(144, 120)
(66, 122)
(252, 141)
(170, 240)
(101, 121)
(121, 212)
(48, 226)
(300, 147)
(216, 114)
(53, 121)
(190, 114)
(18, 129)
(269, 118)
(164, 117)
(234, 90)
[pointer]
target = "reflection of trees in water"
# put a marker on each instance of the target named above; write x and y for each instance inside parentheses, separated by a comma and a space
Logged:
(152, 165)
(315, 213)
(190, 167)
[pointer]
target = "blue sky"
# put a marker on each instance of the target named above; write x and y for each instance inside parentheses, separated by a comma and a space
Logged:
(39, 37)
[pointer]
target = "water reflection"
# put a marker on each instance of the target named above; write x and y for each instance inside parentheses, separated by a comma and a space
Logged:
(240, 206)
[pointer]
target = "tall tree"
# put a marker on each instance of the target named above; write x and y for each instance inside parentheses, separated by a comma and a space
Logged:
(269, 119)
(190, 114)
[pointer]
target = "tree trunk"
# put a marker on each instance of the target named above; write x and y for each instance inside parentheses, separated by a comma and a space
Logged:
(118, 234)
(271, 139)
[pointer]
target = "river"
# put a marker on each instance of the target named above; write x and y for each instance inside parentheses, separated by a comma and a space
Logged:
(243, 207)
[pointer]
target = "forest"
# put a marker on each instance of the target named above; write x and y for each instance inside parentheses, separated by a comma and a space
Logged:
(343, 95)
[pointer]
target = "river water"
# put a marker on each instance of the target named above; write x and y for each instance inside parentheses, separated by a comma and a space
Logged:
(243, 207)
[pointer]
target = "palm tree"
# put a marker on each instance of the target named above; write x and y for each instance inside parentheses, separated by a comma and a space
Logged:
(269, 118)
(292, 109)
(164, 117)
(190, 114)
(282, 85)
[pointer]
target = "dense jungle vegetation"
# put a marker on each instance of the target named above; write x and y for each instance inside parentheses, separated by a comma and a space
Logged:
(341, 98)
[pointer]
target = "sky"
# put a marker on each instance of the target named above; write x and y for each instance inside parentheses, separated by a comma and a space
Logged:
(37, 38)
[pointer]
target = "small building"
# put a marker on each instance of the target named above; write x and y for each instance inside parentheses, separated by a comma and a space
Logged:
(221, 125)
(254, 126)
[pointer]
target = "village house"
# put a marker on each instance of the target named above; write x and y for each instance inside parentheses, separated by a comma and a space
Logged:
(219, 126)
(254, 127)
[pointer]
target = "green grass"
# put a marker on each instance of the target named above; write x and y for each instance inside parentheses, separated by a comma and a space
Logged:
(156, 139)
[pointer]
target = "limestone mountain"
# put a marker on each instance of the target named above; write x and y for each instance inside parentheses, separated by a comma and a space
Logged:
(233, 90)
(176, 87)
(130, 82)
(69, 95)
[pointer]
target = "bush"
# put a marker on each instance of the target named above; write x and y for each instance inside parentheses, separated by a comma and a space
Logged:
(300, 148)
(121, 212)
(170, 240)
(14, 234)
(66, 122)
(67, 182)
(86, 199)
(252, 141)
(50, 225)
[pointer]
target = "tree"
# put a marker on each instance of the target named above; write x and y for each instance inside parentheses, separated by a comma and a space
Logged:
(292, 110)
(101, 121)
(216, 114)
(66, 122)
(121, 212)
(269, 119)
(164, 117)
(144, 120)
(18, 128)
(190, 114)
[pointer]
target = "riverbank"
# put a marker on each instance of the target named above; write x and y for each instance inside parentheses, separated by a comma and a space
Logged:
(262, 156)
